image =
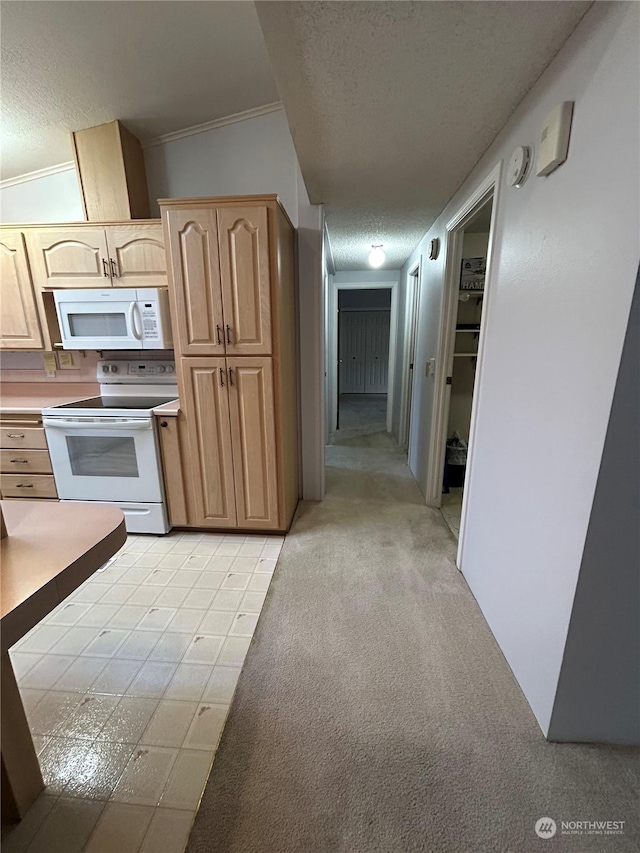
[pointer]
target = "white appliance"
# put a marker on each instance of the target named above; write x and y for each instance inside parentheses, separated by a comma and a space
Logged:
(117, 318)
(106, 448)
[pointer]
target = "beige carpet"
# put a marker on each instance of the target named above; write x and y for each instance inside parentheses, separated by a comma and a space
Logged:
(376, 714)
(362, 421)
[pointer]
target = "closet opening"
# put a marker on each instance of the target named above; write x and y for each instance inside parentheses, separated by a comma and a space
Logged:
(462, 376)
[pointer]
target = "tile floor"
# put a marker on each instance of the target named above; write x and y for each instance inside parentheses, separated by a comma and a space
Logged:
(452, 509)
(127, 685)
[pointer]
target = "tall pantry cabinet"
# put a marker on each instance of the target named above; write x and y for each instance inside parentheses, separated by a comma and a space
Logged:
(232, 293)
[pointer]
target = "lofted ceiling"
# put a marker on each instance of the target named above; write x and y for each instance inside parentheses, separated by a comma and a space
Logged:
(157, 66)
(391, 104)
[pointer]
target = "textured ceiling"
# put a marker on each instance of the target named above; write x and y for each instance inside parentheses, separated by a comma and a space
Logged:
(158, 66)
(391, 104)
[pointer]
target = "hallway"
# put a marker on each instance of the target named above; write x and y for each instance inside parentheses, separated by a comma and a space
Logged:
(375, 711)
(362, 421)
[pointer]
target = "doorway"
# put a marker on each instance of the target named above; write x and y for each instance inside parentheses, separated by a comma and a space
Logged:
(364, 333)
(467, 328)
(364, 323)
(466, 301)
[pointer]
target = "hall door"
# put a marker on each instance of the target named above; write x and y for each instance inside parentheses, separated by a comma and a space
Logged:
(364, 352)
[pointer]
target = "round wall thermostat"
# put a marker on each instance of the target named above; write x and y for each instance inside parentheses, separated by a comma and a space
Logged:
(518, 166)
(434, 249)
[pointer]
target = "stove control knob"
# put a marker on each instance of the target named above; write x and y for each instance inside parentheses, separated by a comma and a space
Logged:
(105, 368)
(161, 368)
(170, 368)
(114, 368)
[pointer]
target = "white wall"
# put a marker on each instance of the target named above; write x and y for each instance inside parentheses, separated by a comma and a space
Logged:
(598, 695)
(566, 253)
(245, 158)
(49, 198)
(311, 313)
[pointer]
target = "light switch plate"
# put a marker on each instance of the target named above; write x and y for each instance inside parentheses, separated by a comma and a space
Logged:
(554, 138)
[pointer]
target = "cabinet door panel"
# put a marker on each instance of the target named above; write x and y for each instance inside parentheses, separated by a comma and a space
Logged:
(244, 268)
(68, 257)
(192, 242)
(138, 255)
(19, 323)
(253, 437)
(206, 407)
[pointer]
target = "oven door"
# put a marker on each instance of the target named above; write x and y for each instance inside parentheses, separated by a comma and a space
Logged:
(104, 459)
(99, 319)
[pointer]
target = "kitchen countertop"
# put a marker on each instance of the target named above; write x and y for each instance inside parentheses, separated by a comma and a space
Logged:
(30, 398)
(169, 410)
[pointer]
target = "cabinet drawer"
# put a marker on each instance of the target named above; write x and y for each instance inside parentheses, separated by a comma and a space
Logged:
(29, 438)
(25, 461)
(36, 486)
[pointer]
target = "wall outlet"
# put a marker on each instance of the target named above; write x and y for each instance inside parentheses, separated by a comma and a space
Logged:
(65, 361)
(49, 364)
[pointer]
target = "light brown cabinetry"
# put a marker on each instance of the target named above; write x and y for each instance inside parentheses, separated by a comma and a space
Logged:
(113, 255)
(136, 255)
(19, 321)
(196, 297)
(69, 257)
(25, 465)
(253, 438)
(244, 268)
(171, 452)
(206, 402)
(220, 266)
(232, 291)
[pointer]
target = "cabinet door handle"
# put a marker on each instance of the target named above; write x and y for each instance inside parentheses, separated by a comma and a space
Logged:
(105, 269)
(164, 424)
(114, 268)
(231, 376)
(228, 334)
(221, 379)
(15, 435)
(24, 485)
(218, 330)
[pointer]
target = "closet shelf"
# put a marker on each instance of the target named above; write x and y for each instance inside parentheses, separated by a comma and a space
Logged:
(465, 354)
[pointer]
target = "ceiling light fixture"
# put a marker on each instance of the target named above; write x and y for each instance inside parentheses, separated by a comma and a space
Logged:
(376, 256)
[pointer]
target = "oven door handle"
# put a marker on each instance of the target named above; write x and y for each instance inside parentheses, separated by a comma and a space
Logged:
(134, 313)
(63, 424)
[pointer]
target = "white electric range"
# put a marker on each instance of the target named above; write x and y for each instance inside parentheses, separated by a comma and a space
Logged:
(106, 448)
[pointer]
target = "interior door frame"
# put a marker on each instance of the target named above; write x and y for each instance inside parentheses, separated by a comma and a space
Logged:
(488, 189)
(412, 313)
(334, 289)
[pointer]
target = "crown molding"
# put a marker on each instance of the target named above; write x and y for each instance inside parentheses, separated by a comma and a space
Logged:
(158, 140)
(39, 173)
(212, 125)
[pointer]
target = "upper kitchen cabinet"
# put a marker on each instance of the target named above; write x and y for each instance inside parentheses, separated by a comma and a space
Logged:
(78, 256)
(69, 257)
(244, 270)
(221, 291)
(191, 237)
(19, 322)
(136, 255)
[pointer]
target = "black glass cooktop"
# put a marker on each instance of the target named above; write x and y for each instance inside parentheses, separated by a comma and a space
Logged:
(117, 403)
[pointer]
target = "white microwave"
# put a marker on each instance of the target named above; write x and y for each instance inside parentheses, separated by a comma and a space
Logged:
(114, 319)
